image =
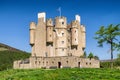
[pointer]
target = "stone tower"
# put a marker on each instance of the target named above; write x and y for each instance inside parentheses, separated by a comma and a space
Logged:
(50, 38)
(61, 36)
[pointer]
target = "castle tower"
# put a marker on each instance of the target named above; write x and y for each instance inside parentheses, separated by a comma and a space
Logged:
(61, 36)
(32, 36)
(74, 32)
(83, 36)
(50, 41)
(49, 31)
(40, 36)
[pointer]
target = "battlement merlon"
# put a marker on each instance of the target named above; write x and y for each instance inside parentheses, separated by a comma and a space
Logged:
(49, 22)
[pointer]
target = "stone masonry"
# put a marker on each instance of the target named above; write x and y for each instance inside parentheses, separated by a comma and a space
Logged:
(57, 44)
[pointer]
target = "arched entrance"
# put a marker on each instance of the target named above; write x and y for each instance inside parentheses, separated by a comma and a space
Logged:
(59, 64)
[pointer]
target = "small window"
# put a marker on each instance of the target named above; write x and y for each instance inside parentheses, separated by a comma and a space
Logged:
(75, 39)
(52, 62)
(62, 22)
(50, 35)
(90, 63)
(62, 49)
(62, 42)
(75, 31)
(86, 63)
(62, 33)
(66, 61)
(68, 40)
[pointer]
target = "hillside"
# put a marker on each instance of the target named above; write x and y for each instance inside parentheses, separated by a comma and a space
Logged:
(9, 54)
(61, 74)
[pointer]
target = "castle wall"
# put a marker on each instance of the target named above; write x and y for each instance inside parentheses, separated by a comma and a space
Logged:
(60, 62)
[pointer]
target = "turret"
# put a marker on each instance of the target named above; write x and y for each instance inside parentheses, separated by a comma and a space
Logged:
(83, 36)
(60, 22)
(49, 25)
(74, 31)
(61, 36)
(32, 33)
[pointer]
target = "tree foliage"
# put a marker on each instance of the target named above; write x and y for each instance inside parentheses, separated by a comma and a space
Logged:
(90, 55)
(8, 57)
(109, 35)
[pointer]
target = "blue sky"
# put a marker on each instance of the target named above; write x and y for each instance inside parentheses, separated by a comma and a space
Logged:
(15, 16)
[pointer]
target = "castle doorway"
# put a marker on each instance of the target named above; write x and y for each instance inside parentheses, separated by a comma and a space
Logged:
(79, 65)
(59, 64)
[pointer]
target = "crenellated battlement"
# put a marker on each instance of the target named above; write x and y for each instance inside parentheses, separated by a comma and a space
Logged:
(49, 22)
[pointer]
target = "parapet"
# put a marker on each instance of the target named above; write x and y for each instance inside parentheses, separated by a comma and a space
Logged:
(32, 25)
(60, 22)
(74, 24)
(83, 28)
(49, 22)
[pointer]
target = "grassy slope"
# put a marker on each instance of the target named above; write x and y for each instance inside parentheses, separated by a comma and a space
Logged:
(7, 57)
(61, 74)
(9, 54)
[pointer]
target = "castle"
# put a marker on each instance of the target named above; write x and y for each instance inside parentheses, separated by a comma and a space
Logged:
(56, 44)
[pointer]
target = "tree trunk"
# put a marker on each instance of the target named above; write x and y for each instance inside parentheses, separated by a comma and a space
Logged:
(111, 55)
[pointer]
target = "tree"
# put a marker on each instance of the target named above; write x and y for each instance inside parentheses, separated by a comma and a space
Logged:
(118, 56)
(90, 55)
(96, 57)
(109, 35)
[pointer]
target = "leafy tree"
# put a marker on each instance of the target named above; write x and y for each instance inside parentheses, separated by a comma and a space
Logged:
(118, 56)
(109, 35)
(90, 55)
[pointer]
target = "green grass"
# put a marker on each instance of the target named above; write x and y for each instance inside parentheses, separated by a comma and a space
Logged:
(61, 74)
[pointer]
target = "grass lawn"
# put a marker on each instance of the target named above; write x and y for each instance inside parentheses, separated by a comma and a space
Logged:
(61, 74)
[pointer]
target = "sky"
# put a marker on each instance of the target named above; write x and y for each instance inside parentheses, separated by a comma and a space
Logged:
(16, 15)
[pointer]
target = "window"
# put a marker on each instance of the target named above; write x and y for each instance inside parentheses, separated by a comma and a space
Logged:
(62, 49)
(86, 63)
(66, 61)
(62, 33)
(50, 35)
(62, 22)
(62, 42)
(90, 63)
(75, 39)
(75, 31)
(52, 62)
